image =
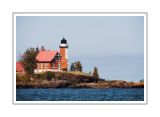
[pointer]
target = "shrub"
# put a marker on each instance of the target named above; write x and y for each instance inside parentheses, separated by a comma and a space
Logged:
(142, 81)
(26, 79)
(64, 69)
(39, 76)
(23, 78)
(49, 75)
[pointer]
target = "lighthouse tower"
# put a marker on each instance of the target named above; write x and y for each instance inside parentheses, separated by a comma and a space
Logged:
(64, 54)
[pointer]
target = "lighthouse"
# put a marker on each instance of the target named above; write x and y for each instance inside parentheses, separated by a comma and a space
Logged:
(64, 54)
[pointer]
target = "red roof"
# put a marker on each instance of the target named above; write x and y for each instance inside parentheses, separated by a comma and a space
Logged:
(19, 67)
(46, 56)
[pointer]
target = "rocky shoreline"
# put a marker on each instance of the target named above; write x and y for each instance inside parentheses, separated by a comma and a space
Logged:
(71, 80)
(66, 84)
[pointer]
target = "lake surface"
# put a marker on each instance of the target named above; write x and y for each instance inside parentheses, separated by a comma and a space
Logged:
(84, 94)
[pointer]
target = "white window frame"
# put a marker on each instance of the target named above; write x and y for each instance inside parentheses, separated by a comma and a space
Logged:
(52, 65)
(42, 65)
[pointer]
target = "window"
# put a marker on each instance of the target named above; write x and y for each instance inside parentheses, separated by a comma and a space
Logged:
(37, 65)
(52, 65)
(58, 66)
(59, 57)
(42, 65)
(46, 65)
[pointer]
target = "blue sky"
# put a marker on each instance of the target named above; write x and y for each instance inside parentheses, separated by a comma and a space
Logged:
(89, 37)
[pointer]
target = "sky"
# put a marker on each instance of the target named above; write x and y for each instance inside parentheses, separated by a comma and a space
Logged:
(89, 37)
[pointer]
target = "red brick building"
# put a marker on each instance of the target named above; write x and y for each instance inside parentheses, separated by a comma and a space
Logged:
(19, 68)
(50, 60)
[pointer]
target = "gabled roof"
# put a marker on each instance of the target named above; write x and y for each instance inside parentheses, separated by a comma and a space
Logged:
(19, 67)
(46, 55)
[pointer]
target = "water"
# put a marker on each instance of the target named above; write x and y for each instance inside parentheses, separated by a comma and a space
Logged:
(73, 94)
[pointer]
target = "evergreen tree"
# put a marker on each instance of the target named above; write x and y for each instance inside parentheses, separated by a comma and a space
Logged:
(95, 73)
(78, 66)
(72, 68)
